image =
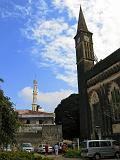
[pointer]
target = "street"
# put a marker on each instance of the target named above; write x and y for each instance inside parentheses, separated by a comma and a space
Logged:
(60, 157)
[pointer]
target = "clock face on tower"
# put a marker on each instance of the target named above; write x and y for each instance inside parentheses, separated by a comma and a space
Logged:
(86, 38)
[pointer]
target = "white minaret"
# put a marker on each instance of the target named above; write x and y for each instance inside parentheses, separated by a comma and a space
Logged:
(34, 103)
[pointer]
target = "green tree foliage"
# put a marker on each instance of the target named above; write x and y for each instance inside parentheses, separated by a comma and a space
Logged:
(8, 120)
(22, 156)
(67, 114)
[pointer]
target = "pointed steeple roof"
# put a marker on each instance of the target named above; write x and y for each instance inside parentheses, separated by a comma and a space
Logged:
(81, 22)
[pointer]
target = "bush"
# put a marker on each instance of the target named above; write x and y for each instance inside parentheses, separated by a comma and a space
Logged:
(20, 156)
(41, 157)
(71, 153)
(16, 156)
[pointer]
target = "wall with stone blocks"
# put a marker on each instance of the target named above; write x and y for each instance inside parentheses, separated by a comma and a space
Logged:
(49, 133)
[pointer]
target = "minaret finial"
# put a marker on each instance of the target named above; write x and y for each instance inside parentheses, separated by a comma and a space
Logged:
(34, 103)
(81, 22)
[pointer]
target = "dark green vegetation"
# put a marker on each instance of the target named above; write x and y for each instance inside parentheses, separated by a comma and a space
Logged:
(21, 156)
(41, 157)
(16, 156)
(72, 153)
(67, 114)
(8, 120)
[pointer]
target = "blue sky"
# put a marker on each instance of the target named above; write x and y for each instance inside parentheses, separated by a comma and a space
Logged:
(36, 41)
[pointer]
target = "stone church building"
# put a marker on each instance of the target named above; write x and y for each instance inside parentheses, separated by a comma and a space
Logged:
(99, 88)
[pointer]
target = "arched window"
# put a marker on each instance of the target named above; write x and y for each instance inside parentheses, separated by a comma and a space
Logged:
(96, 114)
(95, 109)
(114, 101)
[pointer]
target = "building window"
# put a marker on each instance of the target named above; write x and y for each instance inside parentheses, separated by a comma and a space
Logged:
(28, 121)
(97, 113)
(115, 104)
(94, 144)
(105, 143)
(40, 121)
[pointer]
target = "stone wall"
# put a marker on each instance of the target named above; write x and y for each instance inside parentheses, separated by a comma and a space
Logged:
(26, 137)
(48, 133)
(52, 134)
(104, 100)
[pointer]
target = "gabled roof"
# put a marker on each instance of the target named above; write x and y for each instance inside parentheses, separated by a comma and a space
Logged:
(104, 64)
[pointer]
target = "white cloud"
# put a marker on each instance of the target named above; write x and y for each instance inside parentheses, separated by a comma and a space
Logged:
(48, 101)
(57, 35)
(51, 30)
(104, 25)
(26, 94)
(52, 33)
(29, 10)
(103, 20)
(58, 50)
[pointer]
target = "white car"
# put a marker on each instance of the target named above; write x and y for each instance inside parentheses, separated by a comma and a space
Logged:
(27, 147)
(41, 149)
(98, 149)
(8, 148)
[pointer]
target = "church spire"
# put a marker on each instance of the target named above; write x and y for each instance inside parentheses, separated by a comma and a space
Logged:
(81, 22)
(84, 44)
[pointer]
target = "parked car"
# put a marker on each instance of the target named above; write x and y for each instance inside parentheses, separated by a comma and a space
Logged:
(7, 148)
(27, 147)
(100, 148)
(41, 149)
